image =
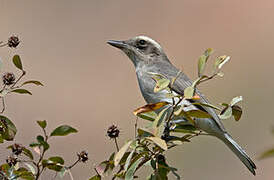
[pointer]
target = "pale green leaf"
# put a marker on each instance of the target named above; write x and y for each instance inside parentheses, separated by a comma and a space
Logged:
(161, 85)
(235, 100)
(130, 172)
(119, 155)
(189, 92)
(198, 114)
(159, 142)
(226, 113)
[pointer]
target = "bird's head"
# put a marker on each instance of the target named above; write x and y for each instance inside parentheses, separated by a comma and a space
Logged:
(140, 49)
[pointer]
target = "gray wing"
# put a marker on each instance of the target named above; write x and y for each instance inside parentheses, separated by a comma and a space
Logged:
(181, 83)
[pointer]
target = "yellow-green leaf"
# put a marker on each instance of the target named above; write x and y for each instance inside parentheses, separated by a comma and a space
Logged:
(161, 84)
(38, 83)
(198, 114)
(201, 64)
(21, 91)
(226, 113)
(267, 154)
(119, 155)
(159, 142)
(189, 92)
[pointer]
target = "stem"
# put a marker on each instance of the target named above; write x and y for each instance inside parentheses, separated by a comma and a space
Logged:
(71, 166)
(3, 45)
(135, 127)
(210, 77)
(3, 104)
(41, 157)
(23, 74)
(121, 168)
(116, 143)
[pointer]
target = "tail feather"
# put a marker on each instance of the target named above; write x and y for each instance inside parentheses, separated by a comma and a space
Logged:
(240, 153)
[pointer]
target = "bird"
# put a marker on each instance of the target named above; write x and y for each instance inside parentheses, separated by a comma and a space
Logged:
(148, 57)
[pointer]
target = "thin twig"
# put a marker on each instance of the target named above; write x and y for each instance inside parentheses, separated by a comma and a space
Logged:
(71, 166)
(135, 127)
(3, 45)
(23, 73)
(3, 104)
(70, 174)
(41, 157)
(116, 143)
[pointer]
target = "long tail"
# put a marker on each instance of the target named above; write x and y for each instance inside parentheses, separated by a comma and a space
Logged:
(240, 153)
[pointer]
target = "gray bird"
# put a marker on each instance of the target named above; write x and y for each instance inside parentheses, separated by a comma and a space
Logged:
(148, 57)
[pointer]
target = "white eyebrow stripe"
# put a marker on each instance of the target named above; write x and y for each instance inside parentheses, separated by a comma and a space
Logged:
(157, 45)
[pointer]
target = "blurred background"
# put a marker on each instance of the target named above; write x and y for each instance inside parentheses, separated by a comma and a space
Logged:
(90, 85)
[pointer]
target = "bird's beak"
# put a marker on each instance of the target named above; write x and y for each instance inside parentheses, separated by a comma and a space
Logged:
(117, 44)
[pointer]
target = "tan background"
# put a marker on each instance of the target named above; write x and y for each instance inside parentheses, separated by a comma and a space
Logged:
(91, 85)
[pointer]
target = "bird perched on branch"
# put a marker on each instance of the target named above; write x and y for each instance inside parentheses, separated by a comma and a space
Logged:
(148, 57)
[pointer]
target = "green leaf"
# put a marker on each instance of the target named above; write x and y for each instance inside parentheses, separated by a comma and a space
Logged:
(42, 142)
(9, 128)
(189, 92)
(203, 60)
(180, 112)
(31, 168)
(160, 117)
(96, 177)
(148, 115)
(198, 114)
(38, 83)
(52, 165)
(28, 153)
(267, 154)
(161, 84)
(34, 144)
(129, 159)
(21, 91)
(42, 124)
(207, 105)
(220, 61)
(184, 129)
(226, 113)
(17, 62)
(144, 133)
(159, 142)
(63, 131)
(130, 172)
(236, 100)
(237, 112)
(201, 64)
(57, 159)
(119, 155)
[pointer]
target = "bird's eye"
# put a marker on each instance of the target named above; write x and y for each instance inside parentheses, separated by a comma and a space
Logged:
(142, 42)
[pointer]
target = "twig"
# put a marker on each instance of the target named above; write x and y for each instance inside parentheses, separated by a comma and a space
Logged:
(23, 73)
(116, 143)
(41, 157)
(71, 166)
(3, 45)
(135, 127)
(3, 104)
(70, 174)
